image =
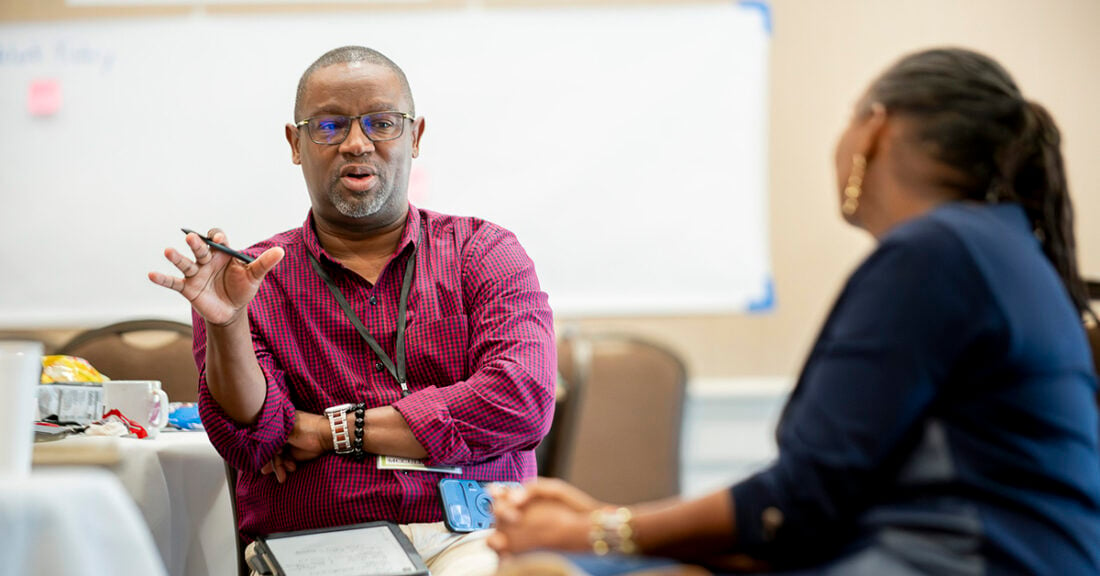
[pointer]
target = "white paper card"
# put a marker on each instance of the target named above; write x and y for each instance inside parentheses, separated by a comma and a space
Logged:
(359, 552)
(399, 463)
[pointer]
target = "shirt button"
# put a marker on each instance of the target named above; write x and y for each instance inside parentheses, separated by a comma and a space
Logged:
(378, 366)
(373, 300)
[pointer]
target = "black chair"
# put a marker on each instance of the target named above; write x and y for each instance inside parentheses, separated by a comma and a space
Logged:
(231, 481)
(1093, 288)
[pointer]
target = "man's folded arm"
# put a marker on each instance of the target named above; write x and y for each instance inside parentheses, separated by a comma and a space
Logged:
(507, 403)
(245, 445)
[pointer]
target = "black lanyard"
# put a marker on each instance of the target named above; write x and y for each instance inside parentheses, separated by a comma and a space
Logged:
(398, 371)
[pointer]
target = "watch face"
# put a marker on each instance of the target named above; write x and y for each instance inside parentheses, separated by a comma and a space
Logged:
(340, 408)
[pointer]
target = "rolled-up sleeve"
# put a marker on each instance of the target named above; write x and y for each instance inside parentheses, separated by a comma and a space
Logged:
(895, 334)
(245, 446)
(507, 402)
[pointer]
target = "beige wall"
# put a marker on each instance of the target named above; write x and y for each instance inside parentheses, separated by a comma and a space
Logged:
(823, 55)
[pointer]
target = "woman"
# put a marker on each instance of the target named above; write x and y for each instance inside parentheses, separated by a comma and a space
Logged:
(945, 421)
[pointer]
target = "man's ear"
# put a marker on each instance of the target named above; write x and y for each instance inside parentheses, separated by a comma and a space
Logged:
(871, 131)
(418, 132)
(292, 138)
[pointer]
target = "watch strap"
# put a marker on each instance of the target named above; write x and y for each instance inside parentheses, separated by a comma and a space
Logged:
(338, 423)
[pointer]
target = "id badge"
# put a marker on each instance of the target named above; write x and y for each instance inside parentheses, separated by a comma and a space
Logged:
(399, 463)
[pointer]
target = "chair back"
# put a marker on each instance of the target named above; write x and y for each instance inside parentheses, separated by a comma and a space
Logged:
(142, 350)
(231, 480)
(620, 431)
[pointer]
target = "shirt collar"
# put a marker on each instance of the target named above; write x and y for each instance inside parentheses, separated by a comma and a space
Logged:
(409, 236)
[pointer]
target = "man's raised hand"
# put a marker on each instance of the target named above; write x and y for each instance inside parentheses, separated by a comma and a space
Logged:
(218, 286)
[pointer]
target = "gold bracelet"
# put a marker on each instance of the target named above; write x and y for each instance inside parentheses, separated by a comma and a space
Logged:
(612, 532)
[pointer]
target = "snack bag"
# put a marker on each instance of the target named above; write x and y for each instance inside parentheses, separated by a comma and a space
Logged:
(59, 368)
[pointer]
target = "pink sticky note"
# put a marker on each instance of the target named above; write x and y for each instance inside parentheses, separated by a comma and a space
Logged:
(44, 97)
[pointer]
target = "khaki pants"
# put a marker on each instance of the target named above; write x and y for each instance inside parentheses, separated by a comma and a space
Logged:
(445, 553)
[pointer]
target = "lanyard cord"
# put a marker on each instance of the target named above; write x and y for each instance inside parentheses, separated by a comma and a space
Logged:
(398, 371)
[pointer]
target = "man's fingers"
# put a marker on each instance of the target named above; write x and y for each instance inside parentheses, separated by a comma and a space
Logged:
(266, 261)
(280, 471)
(202, 252)
(187, 267)
(167, 281)
(180, 261)
(268, 468)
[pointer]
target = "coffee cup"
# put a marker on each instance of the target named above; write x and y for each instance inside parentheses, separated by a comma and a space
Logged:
(20, 370)
(141, 401)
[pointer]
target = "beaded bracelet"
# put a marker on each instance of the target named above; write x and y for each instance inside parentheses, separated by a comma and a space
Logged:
(611, 531)
(357, 443)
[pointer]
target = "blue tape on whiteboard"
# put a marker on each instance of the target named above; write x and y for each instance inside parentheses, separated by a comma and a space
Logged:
(765, 12)
(766, 302)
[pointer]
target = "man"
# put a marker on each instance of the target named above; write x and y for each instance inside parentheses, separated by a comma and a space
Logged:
(376, 329)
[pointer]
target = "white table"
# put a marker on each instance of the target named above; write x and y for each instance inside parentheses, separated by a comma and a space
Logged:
(72, 522)
(178, 482)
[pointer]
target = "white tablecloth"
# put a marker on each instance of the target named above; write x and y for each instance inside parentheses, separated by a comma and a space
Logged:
(178, 482)
(72, 522)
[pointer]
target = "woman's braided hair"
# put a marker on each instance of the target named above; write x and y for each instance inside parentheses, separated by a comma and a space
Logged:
(974, 119)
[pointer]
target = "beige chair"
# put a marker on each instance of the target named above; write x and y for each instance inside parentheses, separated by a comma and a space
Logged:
(142, 350)
(618, 435)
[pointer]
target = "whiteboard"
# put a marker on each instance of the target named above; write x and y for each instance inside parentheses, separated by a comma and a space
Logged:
(625, 147)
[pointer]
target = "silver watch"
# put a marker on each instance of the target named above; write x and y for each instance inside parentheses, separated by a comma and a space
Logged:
(338, 423)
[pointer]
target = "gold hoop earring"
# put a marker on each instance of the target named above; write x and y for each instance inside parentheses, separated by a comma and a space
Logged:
(855, 185)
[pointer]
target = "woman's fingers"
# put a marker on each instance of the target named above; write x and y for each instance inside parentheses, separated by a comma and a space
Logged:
(555, 489)
(498, 542)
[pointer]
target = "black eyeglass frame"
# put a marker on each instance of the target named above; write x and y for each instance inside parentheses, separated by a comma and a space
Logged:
(354, 119)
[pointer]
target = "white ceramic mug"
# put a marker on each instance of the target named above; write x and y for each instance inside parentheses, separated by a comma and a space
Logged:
(139, 400)
(20, 371)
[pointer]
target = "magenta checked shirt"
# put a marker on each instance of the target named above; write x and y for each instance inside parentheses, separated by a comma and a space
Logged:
(481, 367)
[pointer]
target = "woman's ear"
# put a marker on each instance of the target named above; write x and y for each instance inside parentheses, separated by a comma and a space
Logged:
(870, 132)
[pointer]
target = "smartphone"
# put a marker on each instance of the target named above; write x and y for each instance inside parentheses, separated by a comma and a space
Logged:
(467, 506)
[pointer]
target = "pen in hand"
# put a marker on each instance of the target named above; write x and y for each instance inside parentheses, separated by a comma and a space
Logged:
(221, 248)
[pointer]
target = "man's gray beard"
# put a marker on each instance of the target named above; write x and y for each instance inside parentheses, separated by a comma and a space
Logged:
(359, 206)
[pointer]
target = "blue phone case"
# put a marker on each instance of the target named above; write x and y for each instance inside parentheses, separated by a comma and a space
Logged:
(466, 504)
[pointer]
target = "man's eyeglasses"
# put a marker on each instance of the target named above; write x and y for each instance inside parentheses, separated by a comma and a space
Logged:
(378, 126)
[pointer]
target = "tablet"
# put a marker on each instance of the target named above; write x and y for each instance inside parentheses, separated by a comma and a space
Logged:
(370, 549)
